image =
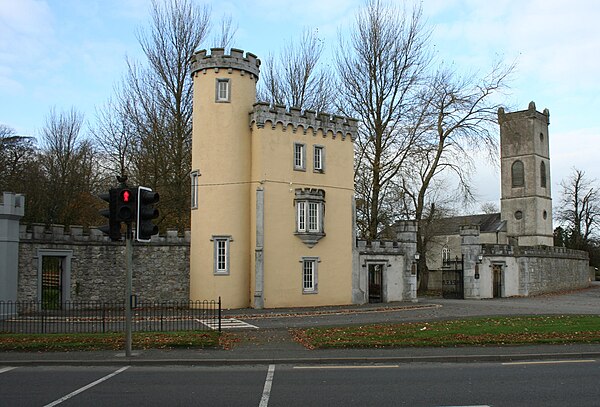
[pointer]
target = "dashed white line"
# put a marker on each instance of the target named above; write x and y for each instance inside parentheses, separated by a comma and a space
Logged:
(6, 369)
(84, 388)
(348, 367)
(550, 362)
(264, 401)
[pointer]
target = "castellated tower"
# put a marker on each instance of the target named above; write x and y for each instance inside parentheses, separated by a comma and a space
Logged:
(526, 203)
(272, 194)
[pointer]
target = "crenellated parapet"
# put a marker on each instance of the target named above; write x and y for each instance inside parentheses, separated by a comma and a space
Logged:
(59, 234)
(531, 112)
(218, 59)
(392, 247)
(263, 113)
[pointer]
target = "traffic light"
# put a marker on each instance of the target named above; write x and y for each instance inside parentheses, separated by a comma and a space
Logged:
(113, 229)
(146, 212)
(125, 210)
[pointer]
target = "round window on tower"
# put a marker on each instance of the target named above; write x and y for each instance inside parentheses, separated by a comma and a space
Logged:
(545, 215)
(518, 215)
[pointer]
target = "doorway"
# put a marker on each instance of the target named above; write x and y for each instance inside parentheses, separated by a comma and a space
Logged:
(54, 278)
(497, 280)
(52, 282)
(375, 282)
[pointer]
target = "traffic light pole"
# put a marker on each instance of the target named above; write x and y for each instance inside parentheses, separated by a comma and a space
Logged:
(129, 266)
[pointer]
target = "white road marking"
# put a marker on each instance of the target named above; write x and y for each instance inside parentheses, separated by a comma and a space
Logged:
(6, 369)
(348, 367)
(550, 362)
(226, 323)
(264, 401)
(84, 388)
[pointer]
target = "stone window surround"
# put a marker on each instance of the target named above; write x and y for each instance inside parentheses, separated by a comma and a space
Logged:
(517, 174)
(194, 175)
(226, 240)
(67, 256)
(318, 158)
(222, 90)
(299, 156)
(313, 262)
(305, 198)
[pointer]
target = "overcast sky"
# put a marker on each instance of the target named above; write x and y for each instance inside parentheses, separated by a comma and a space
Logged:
(64, 53)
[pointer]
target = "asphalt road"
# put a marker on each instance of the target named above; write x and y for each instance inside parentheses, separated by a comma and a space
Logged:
(540, 383)
(585, 301)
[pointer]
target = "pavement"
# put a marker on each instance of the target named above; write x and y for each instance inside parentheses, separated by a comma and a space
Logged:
(271, 342)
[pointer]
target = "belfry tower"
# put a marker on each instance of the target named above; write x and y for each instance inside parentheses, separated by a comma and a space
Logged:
(526, 203)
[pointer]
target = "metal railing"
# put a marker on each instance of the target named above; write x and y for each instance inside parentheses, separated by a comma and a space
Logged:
(99, 317)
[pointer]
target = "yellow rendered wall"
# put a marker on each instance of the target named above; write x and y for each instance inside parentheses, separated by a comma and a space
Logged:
(273, 170)
(221, 153)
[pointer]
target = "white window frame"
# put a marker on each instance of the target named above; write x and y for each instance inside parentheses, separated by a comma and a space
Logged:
(299, 156)
(194, 175)
(445, 254)
(221, 264)
(313, 211)
(310, 282)
(222, 90)
(308, 216)
(319, 158)
(301, 216)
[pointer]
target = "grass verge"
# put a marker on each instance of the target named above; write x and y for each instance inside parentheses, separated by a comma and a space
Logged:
(469, 332)
(110, 341)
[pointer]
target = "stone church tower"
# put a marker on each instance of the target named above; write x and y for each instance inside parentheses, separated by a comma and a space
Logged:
(526, 203)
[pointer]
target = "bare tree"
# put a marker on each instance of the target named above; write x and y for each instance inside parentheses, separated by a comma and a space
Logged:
(156, 102)
(295, 78)
(16, 152)
(226, 33)
(489, 208)
(381, 71)
(461, 120)
(114, 138)
(579, 210)
(70, 172)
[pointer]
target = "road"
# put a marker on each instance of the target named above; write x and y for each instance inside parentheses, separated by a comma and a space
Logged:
(579, 302)
(539, 383)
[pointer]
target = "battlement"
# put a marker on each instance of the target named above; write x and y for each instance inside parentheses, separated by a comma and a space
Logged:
(77, 234)
(263, 112)
(531, 112)
(218, 59)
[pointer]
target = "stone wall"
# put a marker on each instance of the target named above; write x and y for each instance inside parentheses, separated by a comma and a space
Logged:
(551, 269)
(94, 267)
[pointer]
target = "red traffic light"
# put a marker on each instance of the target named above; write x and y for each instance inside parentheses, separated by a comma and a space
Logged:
(125, 196)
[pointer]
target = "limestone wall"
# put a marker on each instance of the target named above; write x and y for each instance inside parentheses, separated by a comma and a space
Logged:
(94, 267)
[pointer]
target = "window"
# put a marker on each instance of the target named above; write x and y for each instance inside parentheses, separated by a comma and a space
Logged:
(194, 193)
(543, 174)
(319, 159)
(445, 254)
(518, 174)
(299, 157)
(309, 275)
(308, 217)
(310, 209)
(222, 91)
(221, 254)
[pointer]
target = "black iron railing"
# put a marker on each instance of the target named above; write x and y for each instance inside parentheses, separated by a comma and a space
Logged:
(97, 317)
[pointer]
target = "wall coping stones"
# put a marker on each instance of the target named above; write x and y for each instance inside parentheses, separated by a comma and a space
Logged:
(40, 232)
